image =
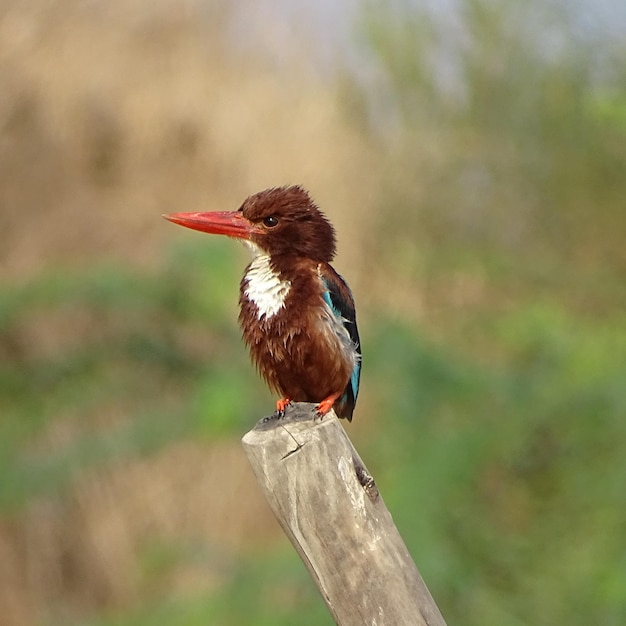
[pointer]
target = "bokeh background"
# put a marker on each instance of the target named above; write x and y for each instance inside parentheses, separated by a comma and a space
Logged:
(472, 155)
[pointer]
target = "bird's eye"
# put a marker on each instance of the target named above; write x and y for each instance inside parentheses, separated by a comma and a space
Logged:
(270, 221)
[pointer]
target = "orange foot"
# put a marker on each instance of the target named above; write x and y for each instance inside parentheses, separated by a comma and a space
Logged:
(326, 405)
(282, 404)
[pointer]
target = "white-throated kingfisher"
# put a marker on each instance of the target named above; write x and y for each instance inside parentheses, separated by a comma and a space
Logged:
(296, 313)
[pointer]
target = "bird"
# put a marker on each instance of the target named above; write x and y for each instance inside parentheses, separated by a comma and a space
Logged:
(296, 313)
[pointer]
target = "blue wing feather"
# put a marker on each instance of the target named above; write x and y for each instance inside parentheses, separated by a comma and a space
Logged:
(339, 299)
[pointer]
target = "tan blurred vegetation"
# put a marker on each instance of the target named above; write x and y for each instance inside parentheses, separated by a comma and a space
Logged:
(492, 222)
(114, 112)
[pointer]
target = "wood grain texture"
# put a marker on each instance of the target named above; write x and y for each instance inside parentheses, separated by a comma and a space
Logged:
(329, 507)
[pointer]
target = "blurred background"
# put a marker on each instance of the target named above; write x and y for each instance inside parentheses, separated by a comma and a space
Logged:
(472, 155)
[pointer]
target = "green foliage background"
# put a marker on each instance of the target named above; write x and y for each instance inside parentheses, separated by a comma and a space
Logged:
(489, 263)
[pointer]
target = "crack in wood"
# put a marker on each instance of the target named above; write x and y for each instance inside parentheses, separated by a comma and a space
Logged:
(365, 479)
(298, 447)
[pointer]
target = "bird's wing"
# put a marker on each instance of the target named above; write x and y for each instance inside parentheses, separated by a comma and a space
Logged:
(339, 298)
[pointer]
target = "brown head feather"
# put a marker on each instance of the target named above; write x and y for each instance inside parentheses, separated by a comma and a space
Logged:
(291, 224)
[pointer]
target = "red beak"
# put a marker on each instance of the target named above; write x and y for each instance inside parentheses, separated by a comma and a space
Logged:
(230, 223)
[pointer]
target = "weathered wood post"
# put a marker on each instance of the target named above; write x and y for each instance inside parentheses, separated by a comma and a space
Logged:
(330, 508)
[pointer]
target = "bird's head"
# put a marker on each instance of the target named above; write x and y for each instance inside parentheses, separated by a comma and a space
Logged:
(278, 221)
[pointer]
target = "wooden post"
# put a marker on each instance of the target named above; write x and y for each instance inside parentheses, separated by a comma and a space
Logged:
(329, 506)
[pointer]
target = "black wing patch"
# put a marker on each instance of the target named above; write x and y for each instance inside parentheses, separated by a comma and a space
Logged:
(339, 297)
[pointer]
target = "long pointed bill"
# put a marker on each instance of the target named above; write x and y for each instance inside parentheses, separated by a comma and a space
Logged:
(230, 223)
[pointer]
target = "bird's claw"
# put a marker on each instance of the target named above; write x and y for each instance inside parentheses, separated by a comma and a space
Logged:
(281, 406)
(325, 406)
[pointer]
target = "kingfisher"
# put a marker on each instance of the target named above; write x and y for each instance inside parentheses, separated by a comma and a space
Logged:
(297, 313)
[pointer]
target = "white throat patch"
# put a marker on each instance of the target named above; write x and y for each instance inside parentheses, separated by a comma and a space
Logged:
(265, 287)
